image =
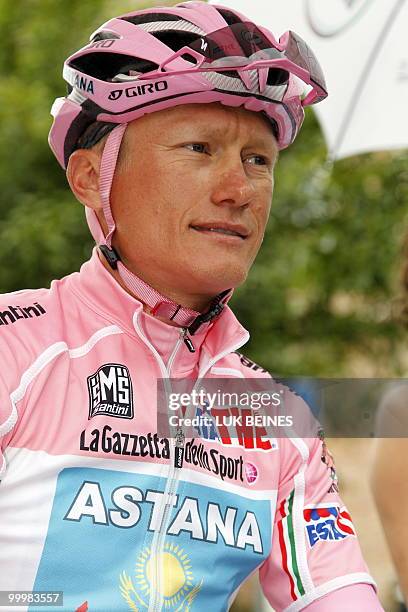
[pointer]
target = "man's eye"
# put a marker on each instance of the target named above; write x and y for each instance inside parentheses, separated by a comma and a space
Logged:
(257, 160)
(198, 147)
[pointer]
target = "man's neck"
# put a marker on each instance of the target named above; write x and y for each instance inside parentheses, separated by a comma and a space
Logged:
(146, 308)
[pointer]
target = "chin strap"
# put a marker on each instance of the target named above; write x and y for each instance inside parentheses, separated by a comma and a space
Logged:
(161, 305)
(158, 303)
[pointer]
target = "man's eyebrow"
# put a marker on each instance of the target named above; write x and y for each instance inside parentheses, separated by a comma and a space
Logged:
(207, 131)
(259, 141)
(268, 145)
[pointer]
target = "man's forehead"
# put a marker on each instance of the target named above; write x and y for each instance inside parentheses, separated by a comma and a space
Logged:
(219, 113)
(210, 120)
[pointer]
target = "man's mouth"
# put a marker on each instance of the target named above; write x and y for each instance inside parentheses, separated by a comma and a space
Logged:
(236, 231)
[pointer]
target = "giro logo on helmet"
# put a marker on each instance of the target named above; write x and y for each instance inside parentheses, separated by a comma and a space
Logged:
(139, 90)
(329, 19)
(115, 95)
(102, 43)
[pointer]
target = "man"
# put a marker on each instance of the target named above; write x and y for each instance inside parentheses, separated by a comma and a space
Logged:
(169, 134)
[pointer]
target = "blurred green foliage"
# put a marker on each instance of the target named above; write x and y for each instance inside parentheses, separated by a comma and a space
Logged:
(328, 271)
(319, 299)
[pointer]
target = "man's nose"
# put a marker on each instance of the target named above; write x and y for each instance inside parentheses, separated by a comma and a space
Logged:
(233, 187)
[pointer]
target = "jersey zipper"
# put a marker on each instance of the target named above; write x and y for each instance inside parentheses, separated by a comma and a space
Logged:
(173, 476)
(155, 603)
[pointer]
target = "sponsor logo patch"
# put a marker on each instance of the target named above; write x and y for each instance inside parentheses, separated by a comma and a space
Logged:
(127, 506)
(14, 313)
(129, 445)
(234, 428)
(327, 523)
(250, 364)
(139, 90)
(104, 44)
(214, 461)
(110, 392)
(84, 84)
(251, 472)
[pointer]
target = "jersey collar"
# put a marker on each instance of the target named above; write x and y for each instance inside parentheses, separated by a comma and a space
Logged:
(95, 286)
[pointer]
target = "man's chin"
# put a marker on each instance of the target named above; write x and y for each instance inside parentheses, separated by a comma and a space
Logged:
(211, 284)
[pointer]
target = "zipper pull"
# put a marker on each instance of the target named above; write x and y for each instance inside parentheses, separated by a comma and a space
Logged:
(179, 449)
(187, 340)
(180, 437)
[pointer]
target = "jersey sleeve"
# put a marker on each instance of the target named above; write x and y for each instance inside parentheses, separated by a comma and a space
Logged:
(361, 597)
(8, 412)
(315, 549)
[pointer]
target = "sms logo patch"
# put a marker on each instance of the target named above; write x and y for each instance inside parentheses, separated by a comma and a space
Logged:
(110, 392)
(327, 523)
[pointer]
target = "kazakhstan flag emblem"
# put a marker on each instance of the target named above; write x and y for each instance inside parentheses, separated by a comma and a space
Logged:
(177, 589)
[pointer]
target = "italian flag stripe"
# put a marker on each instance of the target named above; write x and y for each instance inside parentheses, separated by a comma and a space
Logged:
(285, 559)
(288, 548)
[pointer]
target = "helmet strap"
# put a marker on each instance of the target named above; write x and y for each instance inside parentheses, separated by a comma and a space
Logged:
(106, 173)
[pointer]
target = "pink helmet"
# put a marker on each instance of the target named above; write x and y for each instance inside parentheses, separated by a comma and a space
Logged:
(153, 59)
(157, 58)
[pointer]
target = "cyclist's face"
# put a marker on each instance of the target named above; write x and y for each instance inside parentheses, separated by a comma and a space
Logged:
(192, 197)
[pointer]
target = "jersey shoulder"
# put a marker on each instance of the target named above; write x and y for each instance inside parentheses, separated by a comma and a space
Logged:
(20, 314)
(31, 320)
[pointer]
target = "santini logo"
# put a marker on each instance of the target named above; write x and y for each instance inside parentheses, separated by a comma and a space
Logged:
(110, 392)
(331, 18)
(18, 312)
(139, 90)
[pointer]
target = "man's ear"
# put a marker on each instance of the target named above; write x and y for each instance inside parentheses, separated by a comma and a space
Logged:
(83, 177)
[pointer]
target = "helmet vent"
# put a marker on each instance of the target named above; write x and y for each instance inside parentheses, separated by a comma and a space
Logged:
(277, 76)
(229, 16)
(158, 26)
(104, 36)
(175, 39)
(149, 18)
(105, 66)
(189, 58)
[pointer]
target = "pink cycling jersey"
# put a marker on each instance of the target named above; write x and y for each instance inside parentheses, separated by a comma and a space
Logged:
(92, 503)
